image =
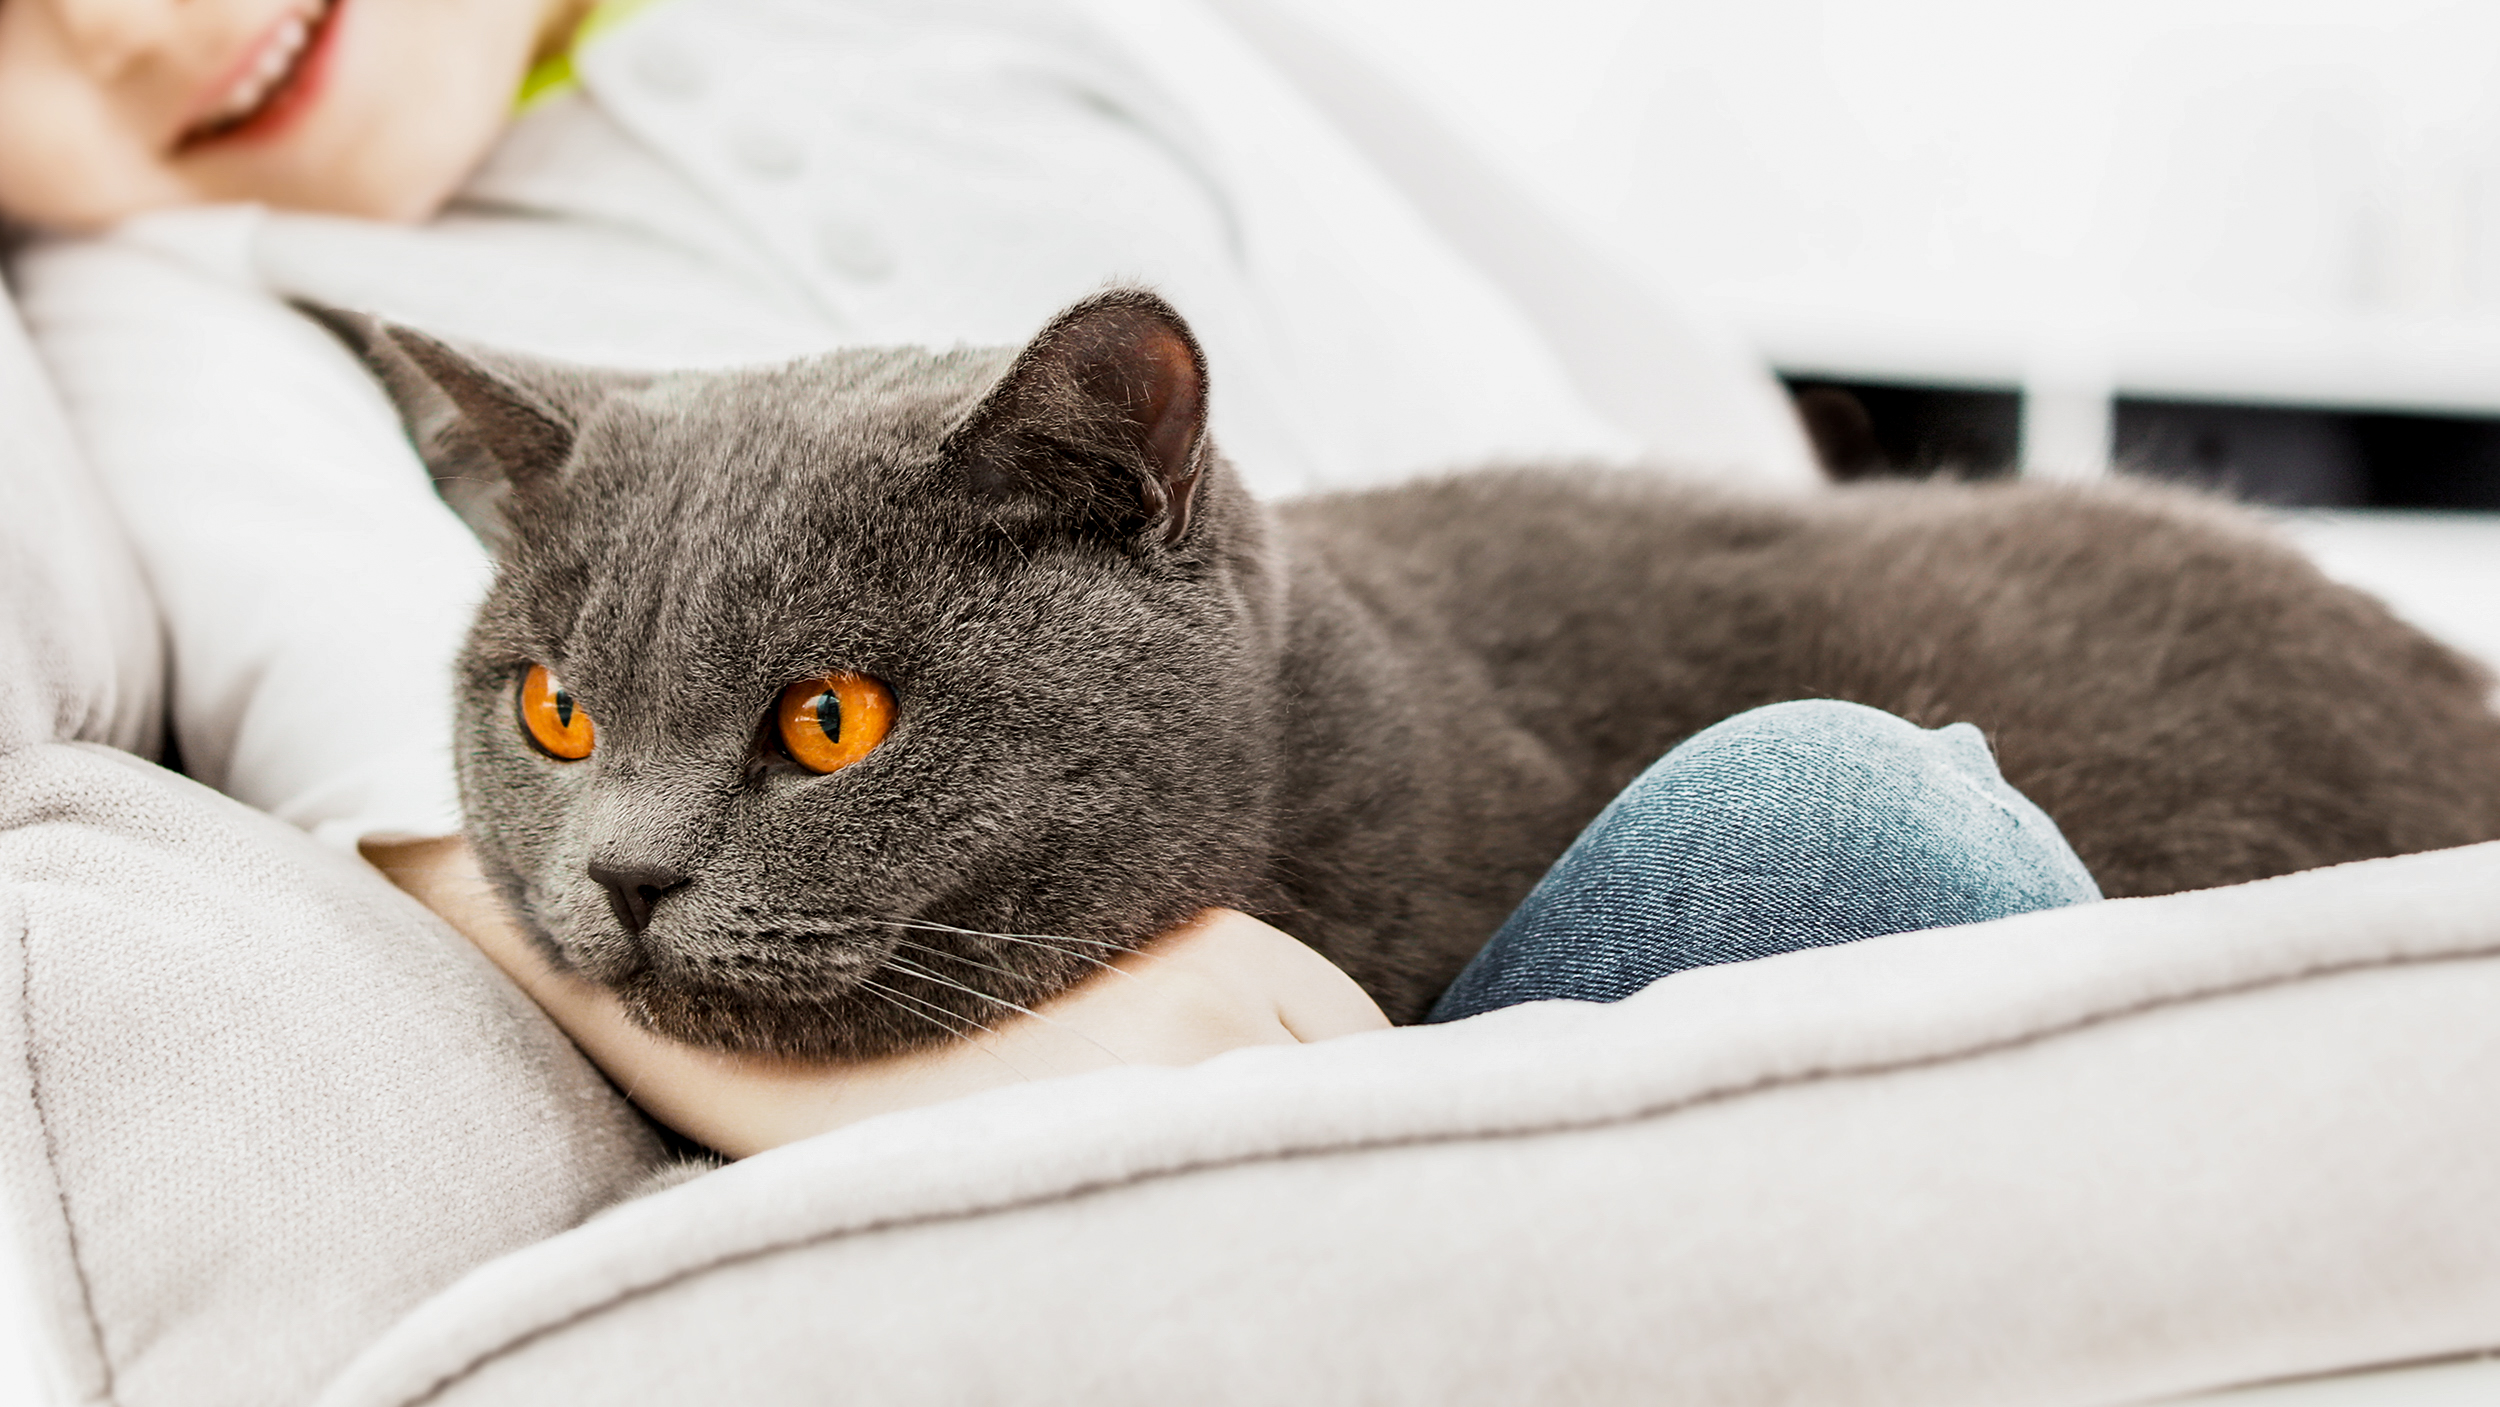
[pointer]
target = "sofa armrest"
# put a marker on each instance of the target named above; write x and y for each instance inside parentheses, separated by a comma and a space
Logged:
(2096, 1155)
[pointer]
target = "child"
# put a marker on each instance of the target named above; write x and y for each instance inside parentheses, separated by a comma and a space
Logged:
(712, 181)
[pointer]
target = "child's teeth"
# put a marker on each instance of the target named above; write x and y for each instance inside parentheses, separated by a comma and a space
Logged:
(284, 48)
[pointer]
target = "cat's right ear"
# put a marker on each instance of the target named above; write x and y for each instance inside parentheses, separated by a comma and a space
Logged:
(1100, 422)
(493, 429)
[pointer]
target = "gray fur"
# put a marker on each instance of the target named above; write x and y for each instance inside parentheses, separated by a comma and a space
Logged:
(1127, 691)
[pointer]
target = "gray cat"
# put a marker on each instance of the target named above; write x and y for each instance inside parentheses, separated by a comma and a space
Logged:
(1116, 690)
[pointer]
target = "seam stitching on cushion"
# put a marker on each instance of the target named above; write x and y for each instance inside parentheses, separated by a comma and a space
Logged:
(52, 1152)
(1645, 1114)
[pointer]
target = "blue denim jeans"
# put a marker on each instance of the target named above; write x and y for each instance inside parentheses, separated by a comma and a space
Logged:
(1791, 826)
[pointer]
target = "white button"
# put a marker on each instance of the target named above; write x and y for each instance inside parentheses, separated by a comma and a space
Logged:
(852, 251)
(671, 73)
(768, 154)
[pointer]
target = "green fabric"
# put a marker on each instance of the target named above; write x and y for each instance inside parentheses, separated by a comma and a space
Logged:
(553, 74)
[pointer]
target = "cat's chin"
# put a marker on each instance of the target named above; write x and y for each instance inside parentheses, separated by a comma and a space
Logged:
(853, 1025)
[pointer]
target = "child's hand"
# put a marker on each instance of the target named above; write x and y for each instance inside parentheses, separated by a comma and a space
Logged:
(1221, 981)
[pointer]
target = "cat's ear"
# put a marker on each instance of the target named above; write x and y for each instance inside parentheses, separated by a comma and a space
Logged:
(490, 426)
(1100, 422)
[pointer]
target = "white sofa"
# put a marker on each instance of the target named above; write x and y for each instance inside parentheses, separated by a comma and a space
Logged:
(270, 1134)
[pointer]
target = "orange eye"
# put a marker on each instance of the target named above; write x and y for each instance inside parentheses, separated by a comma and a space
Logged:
(559, 726)
(830, 723)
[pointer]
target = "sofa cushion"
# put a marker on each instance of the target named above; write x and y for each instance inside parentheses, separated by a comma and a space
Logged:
(255, 1103)
(2096, 1155)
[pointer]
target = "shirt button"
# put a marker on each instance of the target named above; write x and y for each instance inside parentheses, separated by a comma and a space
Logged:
(671, 73)
(769, 154)
(853, 252)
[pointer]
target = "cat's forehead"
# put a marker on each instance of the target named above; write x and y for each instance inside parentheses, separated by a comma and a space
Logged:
(740, 453)
(861, 398)
(736, 510)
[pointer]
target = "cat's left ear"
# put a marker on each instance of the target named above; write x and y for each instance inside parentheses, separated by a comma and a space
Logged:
(1100, 422)
(492, 428)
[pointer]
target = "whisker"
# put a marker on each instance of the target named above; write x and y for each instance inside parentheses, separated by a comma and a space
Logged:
(1051, 940)
(955, 1032)
(913, 969)
(876, 986)
(958, 957)
(888, 995)
(916, 970)
(936, 952)
(1025, 939)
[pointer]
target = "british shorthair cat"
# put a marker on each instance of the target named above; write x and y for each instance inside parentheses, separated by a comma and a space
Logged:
(818, 709)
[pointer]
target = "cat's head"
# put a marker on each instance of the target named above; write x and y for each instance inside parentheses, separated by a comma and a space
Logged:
(829, 708)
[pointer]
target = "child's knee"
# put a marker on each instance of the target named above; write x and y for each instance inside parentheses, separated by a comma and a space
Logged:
(1827, 734)
(1789, 768)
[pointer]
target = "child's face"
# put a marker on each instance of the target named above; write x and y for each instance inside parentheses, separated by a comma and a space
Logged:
(363, 107)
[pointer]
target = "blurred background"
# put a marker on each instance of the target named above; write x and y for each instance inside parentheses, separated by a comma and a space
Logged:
(2246, 242)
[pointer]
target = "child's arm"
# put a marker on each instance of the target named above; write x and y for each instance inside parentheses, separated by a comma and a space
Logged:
(1224, 980)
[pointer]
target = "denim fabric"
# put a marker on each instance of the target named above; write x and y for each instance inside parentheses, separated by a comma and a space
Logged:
(1790, 826)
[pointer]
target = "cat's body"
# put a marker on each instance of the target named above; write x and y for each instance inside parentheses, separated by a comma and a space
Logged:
(2190, 700)
(1126, 692)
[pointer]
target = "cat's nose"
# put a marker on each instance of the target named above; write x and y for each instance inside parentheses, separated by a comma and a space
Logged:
(634, 890)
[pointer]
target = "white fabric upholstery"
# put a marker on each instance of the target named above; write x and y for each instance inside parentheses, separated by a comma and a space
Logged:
(254, 1102)
(2096, 1155)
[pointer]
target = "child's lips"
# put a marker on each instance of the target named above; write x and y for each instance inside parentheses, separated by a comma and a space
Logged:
(258, 84)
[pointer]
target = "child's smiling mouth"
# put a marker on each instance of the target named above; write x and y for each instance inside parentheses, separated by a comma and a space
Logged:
(270, 83)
